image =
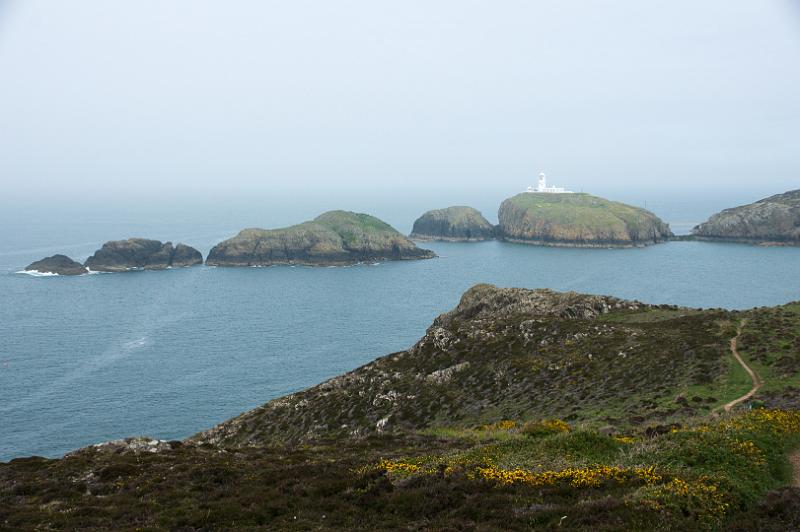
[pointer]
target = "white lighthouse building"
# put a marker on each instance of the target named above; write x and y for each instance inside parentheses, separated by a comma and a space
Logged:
(542, 187)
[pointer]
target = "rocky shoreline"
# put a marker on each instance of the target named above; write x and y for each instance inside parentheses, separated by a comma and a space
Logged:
(771, 221)
(582, 245)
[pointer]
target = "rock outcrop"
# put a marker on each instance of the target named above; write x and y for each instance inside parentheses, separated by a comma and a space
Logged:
(578, 220)
(142, 254)
(333, 238)
(502, 353)
(774, 220)
(457, 224)
(57, 265)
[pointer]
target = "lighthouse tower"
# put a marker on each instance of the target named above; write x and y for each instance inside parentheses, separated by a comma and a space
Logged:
(542, 187)
(542, 183)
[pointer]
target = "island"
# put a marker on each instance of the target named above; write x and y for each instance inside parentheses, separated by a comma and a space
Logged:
(517, 410)
(335, 238)
(142, 254)
(57, 265)
(578, 220)
(454, 224)
(770, 221)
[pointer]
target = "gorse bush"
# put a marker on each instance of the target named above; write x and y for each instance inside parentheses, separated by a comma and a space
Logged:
(543, 428)
(696, 476)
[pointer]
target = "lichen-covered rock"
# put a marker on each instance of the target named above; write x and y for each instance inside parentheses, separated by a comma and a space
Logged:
(133, 445)
(142, 254)
(458, 224)
(333, 238)
(773, 220)
(57, 265)
(578, 220)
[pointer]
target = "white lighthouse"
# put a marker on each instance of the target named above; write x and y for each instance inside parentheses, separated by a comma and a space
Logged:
(542, 187)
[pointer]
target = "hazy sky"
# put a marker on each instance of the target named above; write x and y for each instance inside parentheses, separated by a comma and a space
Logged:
(239, 97)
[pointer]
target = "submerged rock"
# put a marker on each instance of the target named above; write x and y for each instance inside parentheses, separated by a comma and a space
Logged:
(459, 224)
(774, 220)
(142, 254)
(59, 265)
(333, 238)
(578, 220)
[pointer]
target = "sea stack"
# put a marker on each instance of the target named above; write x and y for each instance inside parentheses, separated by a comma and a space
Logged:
(455, 224)
(57, 265)
(142, 254)
(770, 221)
(332, 239)
(552, 216)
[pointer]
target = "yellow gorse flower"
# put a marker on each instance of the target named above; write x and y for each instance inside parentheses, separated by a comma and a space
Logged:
(575, 477)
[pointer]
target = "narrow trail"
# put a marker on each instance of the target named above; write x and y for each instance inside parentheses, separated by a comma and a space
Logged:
(753, 375)
(794, 459)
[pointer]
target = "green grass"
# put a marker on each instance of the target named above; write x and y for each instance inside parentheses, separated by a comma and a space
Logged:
(583, 211)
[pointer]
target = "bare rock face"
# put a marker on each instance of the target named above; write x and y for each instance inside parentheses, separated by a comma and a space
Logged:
(578, 220)
(333, 238)
(58, 265)
(457, 224)
(485, 301)
(773, 220)
(184, 255)
(142, 254)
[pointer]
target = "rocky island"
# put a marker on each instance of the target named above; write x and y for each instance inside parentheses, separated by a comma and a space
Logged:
(770, 221)
(455, 224)
(142, 254)
(578, 220)
(57, 265)
(332, 239)
(517, 410)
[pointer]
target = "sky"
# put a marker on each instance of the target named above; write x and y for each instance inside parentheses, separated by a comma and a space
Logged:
(376, 97)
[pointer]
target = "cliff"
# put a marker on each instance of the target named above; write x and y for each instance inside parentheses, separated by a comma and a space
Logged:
(773, 220)
(458, 224)
(333, 238)
(578, 220)
(505, 353)
(142, 254)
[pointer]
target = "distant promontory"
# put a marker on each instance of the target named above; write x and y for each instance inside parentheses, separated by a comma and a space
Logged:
(142, 254)
(578, 220)
(459, 224)
(333, 238)
(774, 220)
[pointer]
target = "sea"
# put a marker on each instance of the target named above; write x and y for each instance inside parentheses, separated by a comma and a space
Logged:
(169, 353)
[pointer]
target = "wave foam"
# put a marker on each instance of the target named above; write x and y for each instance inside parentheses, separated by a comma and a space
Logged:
(37, 273)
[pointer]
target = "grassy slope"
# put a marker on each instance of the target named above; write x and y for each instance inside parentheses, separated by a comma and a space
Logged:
(500, 467)
(584, 211)
(506, 476)
(355, 228)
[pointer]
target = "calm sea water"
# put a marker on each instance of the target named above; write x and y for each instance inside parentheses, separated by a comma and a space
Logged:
(169, 353)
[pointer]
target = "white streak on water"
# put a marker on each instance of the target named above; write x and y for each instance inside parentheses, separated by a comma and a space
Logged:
(37, 273)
